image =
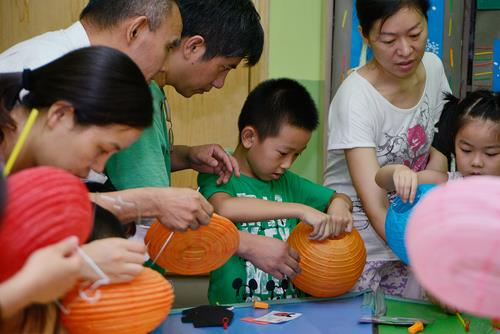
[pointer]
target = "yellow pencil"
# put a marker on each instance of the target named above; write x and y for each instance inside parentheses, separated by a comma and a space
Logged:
(20, 142)
(465, 323)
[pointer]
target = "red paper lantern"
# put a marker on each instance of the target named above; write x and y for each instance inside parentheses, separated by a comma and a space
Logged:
(328, 268)
(44, 205)
(134, 307)
(193, 252)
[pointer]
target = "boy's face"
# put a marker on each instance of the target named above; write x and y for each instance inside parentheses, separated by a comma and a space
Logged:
(270, 158)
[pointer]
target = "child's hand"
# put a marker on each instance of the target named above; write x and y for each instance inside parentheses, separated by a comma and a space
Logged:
(341, 215)
(270, 255)
(322, 224)
(405, 183)
(51, 271)
(120, 259)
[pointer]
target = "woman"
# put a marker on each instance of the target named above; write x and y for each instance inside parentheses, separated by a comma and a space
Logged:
(384, 113)
(90, 103)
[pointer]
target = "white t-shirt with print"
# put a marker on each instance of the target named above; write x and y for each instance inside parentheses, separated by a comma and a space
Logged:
(361, 117)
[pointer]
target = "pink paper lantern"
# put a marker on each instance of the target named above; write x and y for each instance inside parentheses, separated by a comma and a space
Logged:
(44, 205)
(453, 241)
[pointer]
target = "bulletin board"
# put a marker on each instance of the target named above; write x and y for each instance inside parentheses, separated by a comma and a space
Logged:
(484, 59)
(448, 25)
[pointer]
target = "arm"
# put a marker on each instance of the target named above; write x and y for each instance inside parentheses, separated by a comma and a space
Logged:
(244, 209)
(363, 165)
(205, 159)
(437, 161)
(405, 181)
(176, 208)
(47, 275)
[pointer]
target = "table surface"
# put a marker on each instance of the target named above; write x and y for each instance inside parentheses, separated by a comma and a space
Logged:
(338, 315)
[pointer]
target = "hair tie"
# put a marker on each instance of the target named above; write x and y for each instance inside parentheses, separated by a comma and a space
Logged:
(26, 79)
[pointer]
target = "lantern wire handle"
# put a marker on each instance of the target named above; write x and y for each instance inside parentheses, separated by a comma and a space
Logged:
(163, 246)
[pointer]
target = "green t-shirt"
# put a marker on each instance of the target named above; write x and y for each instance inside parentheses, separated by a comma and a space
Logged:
(239, 280)
(145, 163)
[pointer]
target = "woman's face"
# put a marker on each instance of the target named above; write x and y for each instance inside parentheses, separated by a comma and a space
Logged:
(398, 44)
(77, 148)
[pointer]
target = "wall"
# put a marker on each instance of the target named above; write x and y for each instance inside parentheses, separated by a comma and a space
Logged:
(296, 50)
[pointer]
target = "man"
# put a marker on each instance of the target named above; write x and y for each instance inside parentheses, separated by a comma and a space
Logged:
(217, 35)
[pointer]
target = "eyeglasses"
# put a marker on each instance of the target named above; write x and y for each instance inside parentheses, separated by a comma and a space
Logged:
(168, 121)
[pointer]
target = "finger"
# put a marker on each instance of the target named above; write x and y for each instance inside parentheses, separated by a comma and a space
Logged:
(294, 254)
(413, 192)
(67, 246)
(288, 271)
(349, 226)
(292, 266)
(235, 165)
(276, 274)
(134, 245)
(315, 231)
(207, 208)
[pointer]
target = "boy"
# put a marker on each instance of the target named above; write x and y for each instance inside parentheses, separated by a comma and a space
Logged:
(275, 125)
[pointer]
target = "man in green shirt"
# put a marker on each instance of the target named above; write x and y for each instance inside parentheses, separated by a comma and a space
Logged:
(217, 35)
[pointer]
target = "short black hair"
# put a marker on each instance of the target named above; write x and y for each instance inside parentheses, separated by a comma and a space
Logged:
(276, 102)
(370, 11)
(481, 104)
(106, 225)
(108, 13)
(231, 28)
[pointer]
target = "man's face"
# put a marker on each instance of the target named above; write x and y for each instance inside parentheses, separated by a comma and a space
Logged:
(151, 51)
(199, 76)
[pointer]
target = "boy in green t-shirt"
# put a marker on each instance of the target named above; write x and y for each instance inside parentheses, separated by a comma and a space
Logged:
(267, 201)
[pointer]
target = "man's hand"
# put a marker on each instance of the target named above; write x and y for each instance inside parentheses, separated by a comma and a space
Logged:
(213, 159)
(182, 208)
(272, 256)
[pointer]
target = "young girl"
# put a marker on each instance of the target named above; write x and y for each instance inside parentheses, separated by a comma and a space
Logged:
(470, 131)
(384, 113)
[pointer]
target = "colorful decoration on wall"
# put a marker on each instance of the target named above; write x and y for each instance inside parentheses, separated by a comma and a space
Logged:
(496, 65)
(44, 205)
(138, 306)
(328, 268)
(453, 241)
(193, 252)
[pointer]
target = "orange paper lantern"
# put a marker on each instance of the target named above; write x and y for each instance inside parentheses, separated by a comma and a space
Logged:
(195, 251)
(328, 268)
(138, 306)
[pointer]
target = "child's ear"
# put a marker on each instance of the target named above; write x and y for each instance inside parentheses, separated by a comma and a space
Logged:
(248, 136)
(60, 112)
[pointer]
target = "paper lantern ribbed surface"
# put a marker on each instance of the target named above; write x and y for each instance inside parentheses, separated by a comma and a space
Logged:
(194, 252)
(453, 243)
(328, 268)
(397, 218)
(45, 205)
(135, 307)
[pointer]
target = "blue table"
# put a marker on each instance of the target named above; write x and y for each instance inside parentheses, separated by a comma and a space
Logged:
(339, 315)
